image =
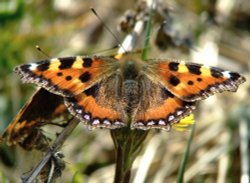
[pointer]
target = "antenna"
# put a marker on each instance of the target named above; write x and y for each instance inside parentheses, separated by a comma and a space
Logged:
(40, 49)
(105, 50)
(107, 28)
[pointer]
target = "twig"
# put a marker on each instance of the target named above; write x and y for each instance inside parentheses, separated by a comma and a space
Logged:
(54, 148)
(130, 40)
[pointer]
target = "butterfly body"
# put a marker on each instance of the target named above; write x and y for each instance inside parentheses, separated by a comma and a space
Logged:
(114, 92)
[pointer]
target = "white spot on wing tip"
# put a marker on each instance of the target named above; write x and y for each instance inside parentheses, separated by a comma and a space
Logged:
(33, 66)
(226, 74)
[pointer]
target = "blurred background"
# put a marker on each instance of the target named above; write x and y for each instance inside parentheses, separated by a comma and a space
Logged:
(215, 32)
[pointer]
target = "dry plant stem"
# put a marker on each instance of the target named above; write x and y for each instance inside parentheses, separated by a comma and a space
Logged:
(128, 144)
(54, 148)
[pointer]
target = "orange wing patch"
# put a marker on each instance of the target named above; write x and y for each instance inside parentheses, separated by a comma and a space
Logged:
(163, 115)
(66, 76)
(94, 111)
(192, 82)
(87, 110)
(158, 108)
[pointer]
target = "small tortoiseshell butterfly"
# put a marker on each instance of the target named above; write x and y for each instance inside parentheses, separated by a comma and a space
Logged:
(37, 112)
(111, 92)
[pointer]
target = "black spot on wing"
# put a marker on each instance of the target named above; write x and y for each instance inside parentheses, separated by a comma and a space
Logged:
(199, 79)
(93, 91)
(190, 82)
(85, 77)
(72, 99)
(87, 62)
(59, 74)
(68, 78)
(173, 66)
(43, 65)
(216, 73)
(234, 76)
(194, 69)
(24, 68)
(166, 94)
(66, 62)
(173, 80)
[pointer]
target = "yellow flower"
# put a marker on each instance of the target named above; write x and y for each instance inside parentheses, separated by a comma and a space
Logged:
(185, 123)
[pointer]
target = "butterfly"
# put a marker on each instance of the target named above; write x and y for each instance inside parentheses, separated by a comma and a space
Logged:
(117, 91)
(25, 128)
